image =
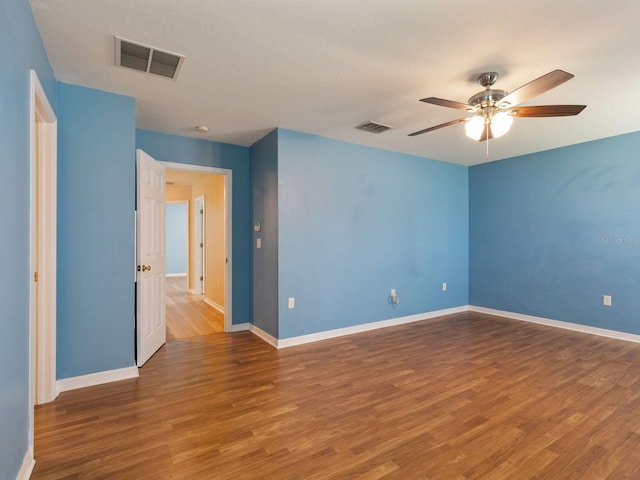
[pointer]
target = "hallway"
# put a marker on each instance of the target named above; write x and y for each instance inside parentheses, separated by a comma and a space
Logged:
(187, 314)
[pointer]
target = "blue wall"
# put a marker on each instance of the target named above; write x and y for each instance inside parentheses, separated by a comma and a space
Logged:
(264, 184)
(96, 197)
(176, 238)
(20, 50)
(552, 232)
(355, 222)
(174, 148)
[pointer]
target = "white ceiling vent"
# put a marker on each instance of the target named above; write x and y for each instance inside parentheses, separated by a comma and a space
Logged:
(373, 127)
(147, 59)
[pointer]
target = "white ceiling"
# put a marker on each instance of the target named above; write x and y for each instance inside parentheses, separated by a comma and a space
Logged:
(324, 67)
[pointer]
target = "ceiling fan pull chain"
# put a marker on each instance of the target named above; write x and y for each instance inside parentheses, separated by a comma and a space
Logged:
(486, 156)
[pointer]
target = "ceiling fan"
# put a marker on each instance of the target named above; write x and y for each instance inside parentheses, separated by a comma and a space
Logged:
(494, 109)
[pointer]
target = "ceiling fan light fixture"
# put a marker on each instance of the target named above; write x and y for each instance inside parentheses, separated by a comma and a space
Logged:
(474, 127)
(501, 123)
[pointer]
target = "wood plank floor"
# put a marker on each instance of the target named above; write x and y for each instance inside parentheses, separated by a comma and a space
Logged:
(187, 314)
(468, 396)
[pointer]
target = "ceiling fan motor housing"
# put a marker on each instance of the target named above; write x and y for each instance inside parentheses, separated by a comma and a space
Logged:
(487, 98)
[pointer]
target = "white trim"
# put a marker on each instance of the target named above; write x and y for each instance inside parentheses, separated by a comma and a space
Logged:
(28, 462)
(199, 230)
(258, 332)
(340, 332)
(601, 332)
(98, 378)
(228, 224)
(215, 305)
(240, 327)
(175, 274)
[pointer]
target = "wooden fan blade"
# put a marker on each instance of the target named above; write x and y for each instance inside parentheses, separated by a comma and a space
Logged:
(537, 87)
(447, 103)
(487, 133)
(547, 111)
(442, 125)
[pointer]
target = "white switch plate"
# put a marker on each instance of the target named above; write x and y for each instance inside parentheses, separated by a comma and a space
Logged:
(444, 287)
(292, 302)
(258, 243)
(606, 300)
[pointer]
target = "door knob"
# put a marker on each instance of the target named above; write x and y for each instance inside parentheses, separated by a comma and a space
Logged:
(144, 268)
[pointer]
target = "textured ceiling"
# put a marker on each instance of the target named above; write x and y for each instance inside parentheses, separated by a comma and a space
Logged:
(324, 67)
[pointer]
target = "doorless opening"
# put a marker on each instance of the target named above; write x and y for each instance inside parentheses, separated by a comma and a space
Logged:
(198, 265)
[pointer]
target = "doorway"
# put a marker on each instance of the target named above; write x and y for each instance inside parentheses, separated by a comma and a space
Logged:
(199, 303)
(42, 290)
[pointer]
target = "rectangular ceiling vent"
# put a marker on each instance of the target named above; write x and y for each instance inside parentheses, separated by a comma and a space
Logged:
(373, 127)
(147, 59)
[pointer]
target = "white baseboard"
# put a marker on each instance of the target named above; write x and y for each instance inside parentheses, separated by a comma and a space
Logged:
(98, 378)
(28, 462)
(258, 332)
(239, 327)
(213, 304)
(340, 332)
(175, 275)
(601, 332)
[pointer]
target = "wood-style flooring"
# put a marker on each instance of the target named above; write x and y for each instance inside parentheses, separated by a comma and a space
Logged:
(187, 314)
(468, 396)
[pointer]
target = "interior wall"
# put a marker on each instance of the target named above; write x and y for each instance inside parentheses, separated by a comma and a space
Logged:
(182, 193)
(177, 193)
(20, 50)
(212, 187)
(96, 203)
(177, 235)
(174, 148)
(552, 232)
(264, 192)
(355, 222)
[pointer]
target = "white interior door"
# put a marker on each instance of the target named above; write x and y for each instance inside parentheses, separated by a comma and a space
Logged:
(150, 254)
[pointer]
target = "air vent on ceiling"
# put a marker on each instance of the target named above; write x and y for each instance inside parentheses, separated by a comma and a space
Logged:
(147, 59)
(373, 127)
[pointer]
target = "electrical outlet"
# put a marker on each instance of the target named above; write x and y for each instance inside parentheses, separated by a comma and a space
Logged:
(444, 287)
(606, 300)
(292, 302)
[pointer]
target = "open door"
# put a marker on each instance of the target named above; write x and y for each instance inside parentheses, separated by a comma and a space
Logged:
(150, 254)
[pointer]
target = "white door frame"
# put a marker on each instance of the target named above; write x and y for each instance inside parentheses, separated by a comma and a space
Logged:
(43, 132)
(228, 209)
(199, 257)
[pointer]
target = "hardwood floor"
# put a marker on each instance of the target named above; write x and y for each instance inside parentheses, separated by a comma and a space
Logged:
(188, 315)
(468, 396)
